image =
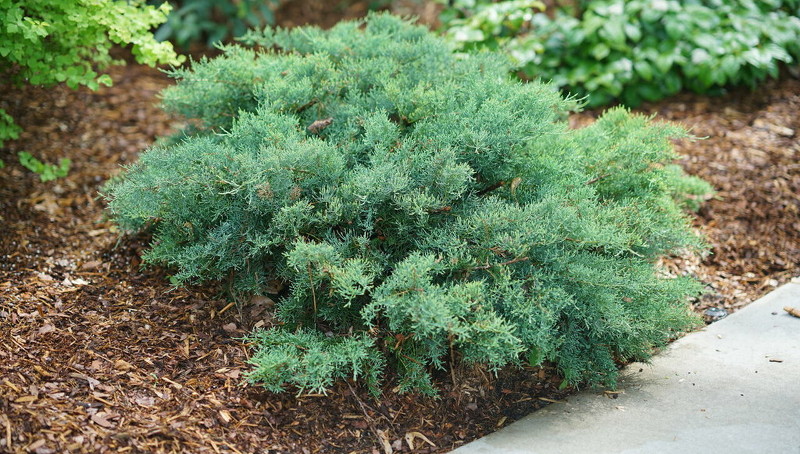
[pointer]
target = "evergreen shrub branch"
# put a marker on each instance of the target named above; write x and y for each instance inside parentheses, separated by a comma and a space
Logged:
(396, 256)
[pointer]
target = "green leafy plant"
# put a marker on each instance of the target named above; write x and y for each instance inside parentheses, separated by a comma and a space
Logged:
(46, 172)
(420, 207)
(8, 129)
(636, 50)
(212, 21)
(45, 42)
(475, 25)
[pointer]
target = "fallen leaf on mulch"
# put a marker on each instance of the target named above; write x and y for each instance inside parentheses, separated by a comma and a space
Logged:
(91, 265)
(122, 365)
(229, 327)
(792, 311)
(47, 328)
(145, 401)
(411, 436)
(100, 418)
(385, 442)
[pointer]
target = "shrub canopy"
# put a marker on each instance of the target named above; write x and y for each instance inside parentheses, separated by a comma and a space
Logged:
(420, 207)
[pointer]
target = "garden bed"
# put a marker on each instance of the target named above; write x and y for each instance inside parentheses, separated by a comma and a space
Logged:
(97, 355)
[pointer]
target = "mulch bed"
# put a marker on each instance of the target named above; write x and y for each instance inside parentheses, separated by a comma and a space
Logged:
(98, 355)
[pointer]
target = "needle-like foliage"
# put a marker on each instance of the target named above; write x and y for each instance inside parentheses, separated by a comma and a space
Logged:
(421, 207)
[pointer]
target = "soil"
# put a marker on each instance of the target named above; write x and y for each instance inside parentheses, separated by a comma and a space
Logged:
(99, 355)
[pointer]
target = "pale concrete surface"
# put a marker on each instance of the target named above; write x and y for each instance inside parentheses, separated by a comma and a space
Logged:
(733, 387)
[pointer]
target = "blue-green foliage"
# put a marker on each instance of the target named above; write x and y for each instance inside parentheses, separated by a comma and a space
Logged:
(634, 50)
(420, 207)
(312, 361)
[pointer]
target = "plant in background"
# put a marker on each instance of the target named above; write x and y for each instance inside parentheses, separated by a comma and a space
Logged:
(420, 207)
(46, 172)
(637, 50)
(212, 21)
(498, 26)
(8, 129)
(45, 42)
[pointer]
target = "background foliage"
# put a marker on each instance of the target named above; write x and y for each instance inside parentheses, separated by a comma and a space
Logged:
(46, 172)
(45, 42)
(634, 50)
(421, 208)
(211, 21)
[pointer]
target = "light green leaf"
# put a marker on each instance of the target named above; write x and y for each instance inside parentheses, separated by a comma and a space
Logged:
(663, 63)
(466, 34)
(644, 69)
(633, 31)
(614, 32)
(105, 79)
(600, 51)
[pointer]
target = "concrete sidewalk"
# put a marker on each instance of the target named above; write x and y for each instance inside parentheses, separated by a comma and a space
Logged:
(732, 388)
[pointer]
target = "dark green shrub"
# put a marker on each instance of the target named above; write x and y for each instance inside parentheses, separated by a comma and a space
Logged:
(211, 21)
(635, 50)
(418, 206)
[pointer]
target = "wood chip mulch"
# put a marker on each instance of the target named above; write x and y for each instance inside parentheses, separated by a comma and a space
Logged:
(98, 355)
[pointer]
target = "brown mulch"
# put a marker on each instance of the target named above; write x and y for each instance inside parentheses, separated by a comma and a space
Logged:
(752, 157)
(97, 355)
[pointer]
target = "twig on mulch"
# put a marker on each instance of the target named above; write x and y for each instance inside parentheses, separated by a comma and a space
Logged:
(380, 435)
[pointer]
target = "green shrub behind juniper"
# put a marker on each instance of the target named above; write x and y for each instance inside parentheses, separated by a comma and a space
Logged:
(45, 42)
(421, 207)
